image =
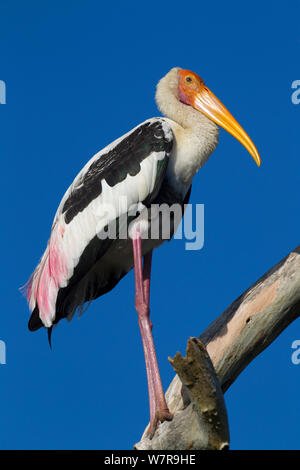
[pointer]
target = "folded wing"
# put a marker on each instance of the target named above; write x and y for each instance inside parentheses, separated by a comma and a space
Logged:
(123, 174)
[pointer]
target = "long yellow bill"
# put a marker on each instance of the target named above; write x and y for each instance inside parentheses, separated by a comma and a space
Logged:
(207, 103)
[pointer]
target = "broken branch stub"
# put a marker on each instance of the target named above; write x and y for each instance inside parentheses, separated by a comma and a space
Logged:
(198, 375)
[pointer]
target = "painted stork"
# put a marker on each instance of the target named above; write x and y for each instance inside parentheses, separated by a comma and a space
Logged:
(152, 164)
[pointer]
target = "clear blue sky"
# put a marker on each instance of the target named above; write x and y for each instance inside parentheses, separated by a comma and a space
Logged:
(80, 74)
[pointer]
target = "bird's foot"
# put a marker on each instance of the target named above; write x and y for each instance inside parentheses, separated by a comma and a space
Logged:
(160, 417)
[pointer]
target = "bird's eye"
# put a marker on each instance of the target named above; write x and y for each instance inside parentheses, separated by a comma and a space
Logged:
(188, 79)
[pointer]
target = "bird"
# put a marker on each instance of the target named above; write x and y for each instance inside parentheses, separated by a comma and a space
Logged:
(102, 227)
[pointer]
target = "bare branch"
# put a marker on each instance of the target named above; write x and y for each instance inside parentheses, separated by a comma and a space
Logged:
(232, 341)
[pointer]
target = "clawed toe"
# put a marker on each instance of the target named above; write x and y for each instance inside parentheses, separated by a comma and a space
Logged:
(160, 417)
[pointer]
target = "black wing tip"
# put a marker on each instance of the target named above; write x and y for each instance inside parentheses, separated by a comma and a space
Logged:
(35, 323)
(49, 336)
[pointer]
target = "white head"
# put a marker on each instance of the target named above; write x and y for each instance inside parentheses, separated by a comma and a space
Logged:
(182, 96)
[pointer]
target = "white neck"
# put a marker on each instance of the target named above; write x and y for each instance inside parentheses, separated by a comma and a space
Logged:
(196, 136)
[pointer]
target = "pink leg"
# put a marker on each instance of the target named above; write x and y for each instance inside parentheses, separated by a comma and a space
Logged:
(158, 407)
(146, 280)
(146, 292)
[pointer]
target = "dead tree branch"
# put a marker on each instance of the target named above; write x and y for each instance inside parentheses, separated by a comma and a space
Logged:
(232, 341)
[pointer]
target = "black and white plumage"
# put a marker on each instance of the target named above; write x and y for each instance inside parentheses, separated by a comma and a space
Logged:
(78, 265)
(153, 164)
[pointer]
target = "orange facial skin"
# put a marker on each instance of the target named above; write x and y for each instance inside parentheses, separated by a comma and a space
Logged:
(189, 84)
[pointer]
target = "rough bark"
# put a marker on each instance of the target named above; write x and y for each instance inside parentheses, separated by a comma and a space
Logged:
(232, 341)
